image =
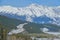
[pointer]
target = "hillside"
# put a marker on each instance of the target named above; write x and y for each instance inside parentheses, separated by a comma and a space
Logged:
(10, 24)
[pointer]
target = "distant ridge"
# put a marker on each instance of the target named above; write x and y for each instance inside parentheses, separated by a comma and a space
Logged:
(33, 13)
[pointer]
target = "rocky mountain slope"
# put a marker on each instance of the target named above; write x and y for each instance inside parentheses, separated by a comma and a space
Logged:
(33, 13)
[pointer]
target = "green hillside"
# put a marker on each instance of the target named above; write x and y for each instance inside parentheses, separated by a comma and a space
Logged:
(10, 23)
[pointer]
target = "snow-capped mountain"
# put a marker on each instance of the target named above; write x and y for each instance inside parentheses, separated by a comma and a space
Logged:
(33, 13)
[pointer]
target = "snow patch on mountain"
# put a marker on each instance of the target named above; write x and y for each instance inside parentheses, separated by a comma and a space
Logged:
(18, 30)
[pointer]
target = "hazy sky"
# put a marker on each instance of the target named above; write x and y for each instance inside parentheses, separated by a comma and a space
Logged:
(22, 3)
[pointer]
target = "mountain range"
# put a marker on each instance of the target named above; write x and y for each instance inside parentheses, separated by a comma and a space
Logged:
(33, 13)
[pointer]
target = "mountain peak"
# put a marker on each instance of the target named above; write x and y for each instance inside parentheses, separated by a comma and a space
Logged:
(34, 5)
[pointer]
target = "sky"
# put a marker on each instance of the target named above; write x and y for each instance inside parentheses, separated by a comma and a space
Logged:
(23, 3)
